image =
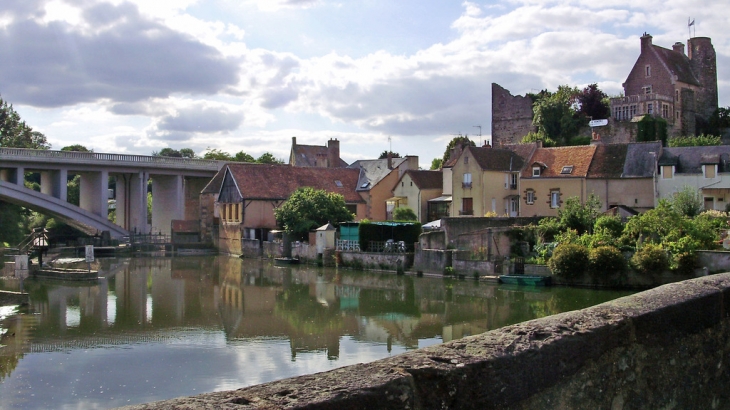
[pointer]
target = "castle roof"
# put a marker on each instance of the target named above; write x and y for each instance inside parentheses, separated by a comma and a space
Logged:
(677, 64)
(306, 155)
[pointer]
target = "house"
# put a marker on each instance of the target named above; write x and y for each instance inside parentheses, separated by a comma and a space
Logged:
(316, 156)
(705, 169)
(486, 180)
(680, 88)
(414, 190)
(376, 180)
(249, 193)
(553, 175)
(624, 175)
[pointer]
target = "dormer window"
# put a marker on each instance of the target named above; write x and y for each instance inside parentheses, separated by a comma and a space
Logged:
(567, 169)
(709, 170)
(365, 185)
(535, 171)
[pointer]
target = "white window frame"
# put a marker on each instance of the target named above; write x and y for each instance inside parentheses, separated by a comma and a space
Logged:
(536, 171)
(530, 197)
(555, 198)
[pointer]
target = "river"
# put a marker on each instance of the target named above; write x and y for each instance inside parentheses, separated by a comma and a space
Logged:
(154, 328)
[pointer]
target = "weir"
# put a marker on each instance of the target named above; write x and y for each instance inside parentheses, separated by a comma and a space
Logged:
(663, 348)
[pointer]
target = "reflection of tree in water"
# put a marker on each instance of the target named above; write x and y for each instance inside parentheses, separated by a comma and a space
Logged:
(315, 326)
(8, 364)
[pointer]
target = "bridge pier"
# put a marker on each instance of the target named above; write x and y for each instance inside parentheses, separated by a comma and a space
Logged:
(55, 183)
(14, 175)
(94, 192)
(168, 201)
(132, 202)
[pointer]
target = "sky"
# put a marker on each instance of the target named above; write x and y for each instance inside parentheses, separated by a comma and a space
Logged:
(136, 76)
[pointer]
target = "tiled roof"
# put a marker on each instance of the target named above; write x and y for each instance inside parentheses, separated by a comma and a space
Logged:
(496, 159)
(426, 179)
(689, 160)
(554, 160)
(266, 181)
(677, 63)
(608, 161)
(306, 155)
(373, 171)
(523, 150)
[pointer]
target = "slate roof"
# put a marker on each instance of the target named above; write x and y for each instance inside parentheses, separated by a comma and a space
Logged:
(608, 161)
(425, 179)
(496, 159)
(373, 171)
(278, 182)
(677, 63)
(641, 158)
(214, 185)
(306, 155)
(633, 160)
(689, 160)
(552, 161)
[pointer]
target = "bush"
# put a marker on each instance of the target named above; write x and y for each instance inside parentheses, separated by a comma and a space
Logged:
(650, 259)
(606, 259)
(612, 224)
(569, 261)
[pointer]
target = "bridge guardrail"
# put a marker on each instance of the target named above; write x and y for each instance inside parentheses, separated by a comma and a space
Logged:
(98, 156)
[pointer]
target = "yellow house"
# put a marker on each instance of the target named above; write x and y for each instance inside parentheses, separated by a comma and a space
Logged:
(414, 189)
(486, 180)
(553, 175)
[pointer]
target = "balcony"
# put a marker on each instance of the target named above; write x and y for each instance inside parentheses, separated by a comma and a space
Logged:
(512, 186)
(466, 185)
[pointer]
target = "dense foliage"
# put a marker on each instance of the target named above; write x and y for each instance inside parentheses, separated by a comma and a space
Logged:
(459, 140)
(569, 260)
(15, 133)
(695, 141)
(308, 208)
(404, 213)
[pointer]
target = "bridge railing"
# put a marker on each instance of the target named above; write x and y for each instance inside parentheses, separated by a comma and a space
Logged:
(98, 156)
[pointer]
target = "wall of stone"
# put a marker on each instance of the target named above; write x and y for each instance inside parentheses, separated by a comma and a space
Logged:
(432, 260)
(376, 260)
(668, 347)
(511, 116)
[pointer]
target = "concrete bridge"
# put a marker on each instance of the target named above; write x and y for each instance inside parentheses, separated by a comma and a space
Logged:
(176, 183)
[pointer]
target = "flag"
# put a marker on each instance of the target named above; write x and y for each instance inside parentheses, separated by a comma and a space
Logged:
(690, 24)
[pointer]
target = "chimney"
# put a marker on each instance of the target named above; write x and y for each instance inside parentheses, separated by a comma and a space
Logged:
(390, 160)
(538, 143)
(645, 42)
(678, 47)
(486, 144)
(595, 138)
(333, 153)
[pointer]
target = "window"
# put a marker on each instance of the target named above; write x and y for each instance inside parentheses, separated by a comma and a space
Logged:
(535, 171)
(709, 170)
(338, 183)
(647, 90)
(650, 108)
(530, 197)
(513, 181)
(632, 110)
(467, 206)
(667, 171)
(467, 181)
(648, 70)
(466, 159)
(676, 95)
(567, 169)
(665, 110)
(365, 185)
(555, 199)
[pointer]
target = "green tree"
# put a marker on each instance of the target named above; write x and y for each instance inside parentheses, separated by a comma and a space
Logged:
(404, 213)
(243, 157)
(217, 154)
(536, 136)
(76, 148)
(579, 217)
(308, 208)
(719, 121)
(384, 154)
(436, 164)
(687, 201)
(459, 140)
(187, 153)
(695, 141)
(15, 133)
(593, 103)
(555, 114)
(268, 158)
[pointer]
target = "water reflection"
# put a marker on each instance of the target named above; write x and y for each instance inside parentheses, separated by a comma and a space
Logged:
(156, 328)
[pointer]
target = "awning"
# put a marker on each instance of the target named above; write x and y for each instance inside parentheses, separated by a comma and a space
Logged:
(397, 199)
(445, 198)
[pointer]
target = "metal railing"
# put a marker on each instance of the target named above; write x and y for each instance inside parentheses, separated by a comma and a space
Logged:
(389, 246)
(347, 245)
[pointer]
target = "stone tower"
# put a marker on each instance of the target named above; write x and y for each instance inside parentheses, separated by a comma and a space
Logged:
(703, 61)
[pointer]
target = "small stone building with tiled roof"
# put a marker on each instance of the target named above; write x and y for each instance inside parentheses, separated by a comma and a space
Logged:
(623, 174)
(248, 194)
(413, 190)
(316, 155)
(680, 88)
(553, 175)
(704, 169)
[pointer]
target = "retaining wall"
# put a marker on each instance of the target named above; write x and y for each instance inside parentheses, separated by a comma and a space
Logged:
(668, 347)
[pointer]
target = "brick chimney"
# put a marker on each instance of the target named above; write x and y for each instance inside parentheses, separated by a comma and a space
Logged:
(333, 153)
(678, 47)
(646, 42)
(486, 144)
(390, 160)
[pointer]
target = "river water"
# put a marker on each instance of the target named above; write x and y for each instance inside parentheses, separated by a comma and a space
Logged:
(155, 328)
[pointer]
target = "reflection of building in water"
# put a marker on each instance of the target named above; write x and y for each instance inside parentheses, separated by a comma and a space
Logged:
(81, 306)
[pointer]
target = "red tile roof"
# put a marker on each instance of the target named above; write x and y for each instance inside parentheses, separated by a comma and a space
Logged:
(425, 179)
(266, 181)
(552, 161)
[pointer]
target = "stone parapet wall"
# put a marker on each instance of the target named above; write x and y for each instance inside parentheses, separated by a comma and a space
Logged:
(668, 347)
(432, 260)
(376, 260)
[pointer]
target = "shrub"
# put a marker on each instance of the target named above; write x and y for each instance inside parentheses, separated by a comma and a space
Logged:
(606, 259)
(569, 261)
(650, 259)
(612, 224)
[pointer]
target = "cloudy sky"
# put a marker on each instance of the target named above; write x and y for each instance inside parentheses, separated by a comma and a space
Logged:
(135, 76)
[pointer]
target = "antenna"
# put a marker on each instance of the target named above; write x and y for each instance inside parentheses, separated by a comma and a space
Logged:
(480, 130)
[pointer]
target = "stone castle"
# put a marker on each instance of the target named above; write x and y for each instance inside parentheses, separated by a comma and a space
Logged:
(680, 88)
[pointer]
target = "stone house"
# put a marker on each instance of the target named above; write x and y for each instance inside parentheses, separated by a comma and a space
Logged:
(551, 176)
(315, 155)
(414, 190)
(705, 169)
(248, 194)
(486, 179)
(680, 88)
(376, 180)
(624, 175)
